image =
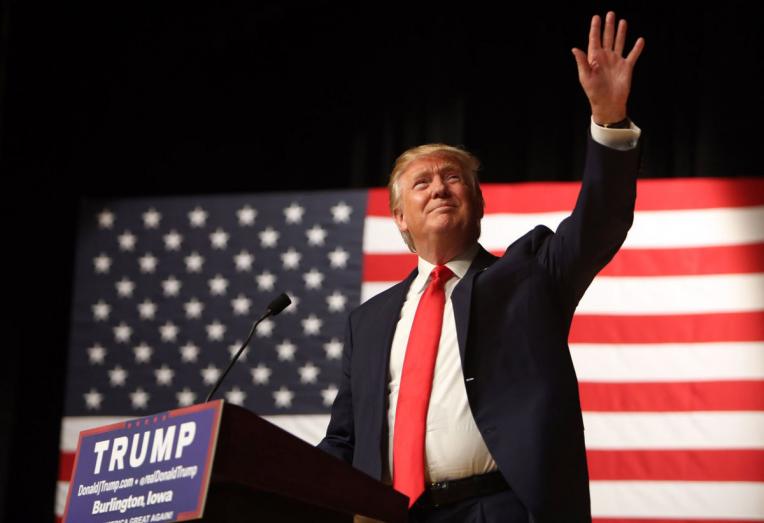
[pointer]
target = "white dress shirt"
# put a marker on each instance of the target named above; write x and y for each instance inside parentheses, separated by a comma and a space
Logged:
(454, 447)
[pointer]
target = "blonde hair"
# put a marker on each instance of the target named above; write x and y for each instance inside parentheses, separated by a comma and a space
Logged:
(468, 163)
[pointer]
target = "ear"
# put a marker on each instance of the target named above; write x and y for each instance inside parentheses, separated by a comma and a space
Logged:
(400, 220)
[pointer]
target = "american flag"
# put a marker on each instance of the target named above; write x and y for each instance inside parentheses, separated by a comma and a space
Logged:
(668, 341)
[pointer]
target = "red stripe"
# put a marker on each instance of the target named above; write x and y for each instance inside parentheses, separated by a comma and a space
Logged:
(672, 396)
(676, 465)
(678, 328)
(734, 259)
(65, 465)
(652, 195)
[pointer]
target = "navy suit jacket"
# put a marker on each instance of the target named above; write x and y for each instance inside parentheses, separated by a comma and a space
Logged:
(513, 316)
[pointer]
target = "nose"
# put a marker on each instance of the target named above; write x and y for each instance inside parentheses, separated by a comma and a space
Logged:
(438, 186)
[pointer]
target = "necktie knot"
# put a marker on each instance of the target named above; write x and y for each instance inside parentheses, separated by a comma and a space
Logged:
(441, 274)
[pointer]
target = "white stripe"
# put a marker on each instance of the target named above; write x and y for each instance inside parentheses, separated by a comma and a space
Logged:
(633, 362)
(651, 229)
(62, 487)
(674, 294)
(693, 430)
(309, 427)
(71, 426)
(625, 295)
(696, 228)
(677, 499)
(371, 289)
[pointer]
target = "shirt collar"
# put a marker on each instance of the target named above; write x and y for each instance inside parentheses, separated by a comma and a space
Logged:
(459, 265)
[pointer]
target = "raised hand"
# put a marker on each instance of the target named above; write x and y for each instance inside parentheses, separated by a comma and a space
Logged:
(604, 73)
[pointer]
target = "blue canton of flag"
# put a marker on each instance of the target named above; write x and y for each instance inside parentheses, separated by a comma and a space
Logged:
(166, 290)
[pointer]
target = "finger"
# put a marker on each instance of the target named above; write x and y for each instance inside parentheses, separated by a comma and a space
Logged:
(620, 38)
(594, 35)
(607, 39)
(636, 51)
(581, 62)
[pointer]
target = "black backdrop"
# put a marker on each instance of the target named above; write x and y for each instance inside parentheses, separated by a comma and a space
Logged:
(109, 99)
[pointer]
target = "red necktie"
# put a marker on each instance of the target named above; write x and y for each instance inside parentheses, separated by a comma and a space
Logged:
(416, 383)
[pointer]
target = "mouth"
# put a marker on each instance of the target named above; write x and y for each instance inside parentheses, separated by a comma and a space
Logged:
(443, 207)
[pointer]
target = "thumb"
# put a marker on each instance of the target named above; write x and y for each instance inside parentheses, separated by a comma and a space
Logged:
(581, 62)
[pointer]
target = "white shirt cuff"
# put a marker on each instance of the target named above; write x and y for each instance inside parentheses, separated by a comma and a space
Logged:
(621, 139)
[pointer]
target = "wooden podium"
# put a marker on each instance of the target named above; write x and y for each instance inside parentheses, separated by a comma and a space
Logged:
(263, 473)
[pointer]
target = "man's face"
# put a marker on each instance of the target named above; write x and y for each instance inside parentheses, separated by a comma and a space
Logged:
(435, 200)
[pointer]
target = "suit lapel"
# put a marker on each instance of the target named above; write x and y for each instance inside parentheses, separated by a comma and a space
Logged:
(461, 298)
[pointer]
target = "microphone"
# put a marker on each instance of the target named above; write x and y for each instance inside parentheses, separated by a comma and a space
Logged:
(280, 303)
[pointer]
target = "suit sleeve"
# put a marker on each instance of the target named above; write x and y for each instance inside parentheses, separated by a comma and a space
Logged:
(588, 239)
(340, 435)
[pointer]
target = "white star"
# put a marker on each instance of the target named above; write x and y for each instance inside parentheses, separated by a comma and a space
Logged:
(218, 285)
(265, 281)
(122, 332)
(125, 288)
(336, 301)
(269, 237)
(235, 396)
(341, 212)
(290, 259)
(117, 376)
(283, 397)
(292, 306)
(215, 331)
(96, 354)
(246, 215)
(260, 374)
(312, 325)
(151, 219)
(338, 258)
(142, 353)
(313, 279)
(286, 350)
(147, 309)
(193, 308)
(329, 393)
(241, 305)
(194, 262)
(164, 375)
(189, 352)
(102, 263)
(93, 399)
(234, 348)
(126, 241)
(265, 328)
(139, 398)
(219, 239)
(293, 213)
(308, 373)
(333, 349)
(171, 286)
(172, 240)
(148, 263)
(316, 235)
(197, 217)
(210, 374)
(105, 219)
(101, 311)
(169, 331)
(185, 397)
(243, 261)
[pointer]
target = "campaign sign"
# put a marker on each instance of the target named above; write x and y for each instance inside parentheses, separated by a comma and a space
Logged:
(149, 469)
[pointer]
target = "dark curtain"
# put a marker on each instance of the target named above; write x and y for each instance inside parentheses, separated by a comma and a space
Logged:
(106, 99)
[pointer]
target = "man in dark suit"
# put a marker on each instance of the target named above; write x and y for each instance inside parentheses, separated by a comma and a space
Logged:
(485, 424)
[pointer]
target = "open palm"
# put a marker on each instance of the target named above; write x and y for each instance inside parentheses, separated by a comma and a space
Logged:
(604, 73)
